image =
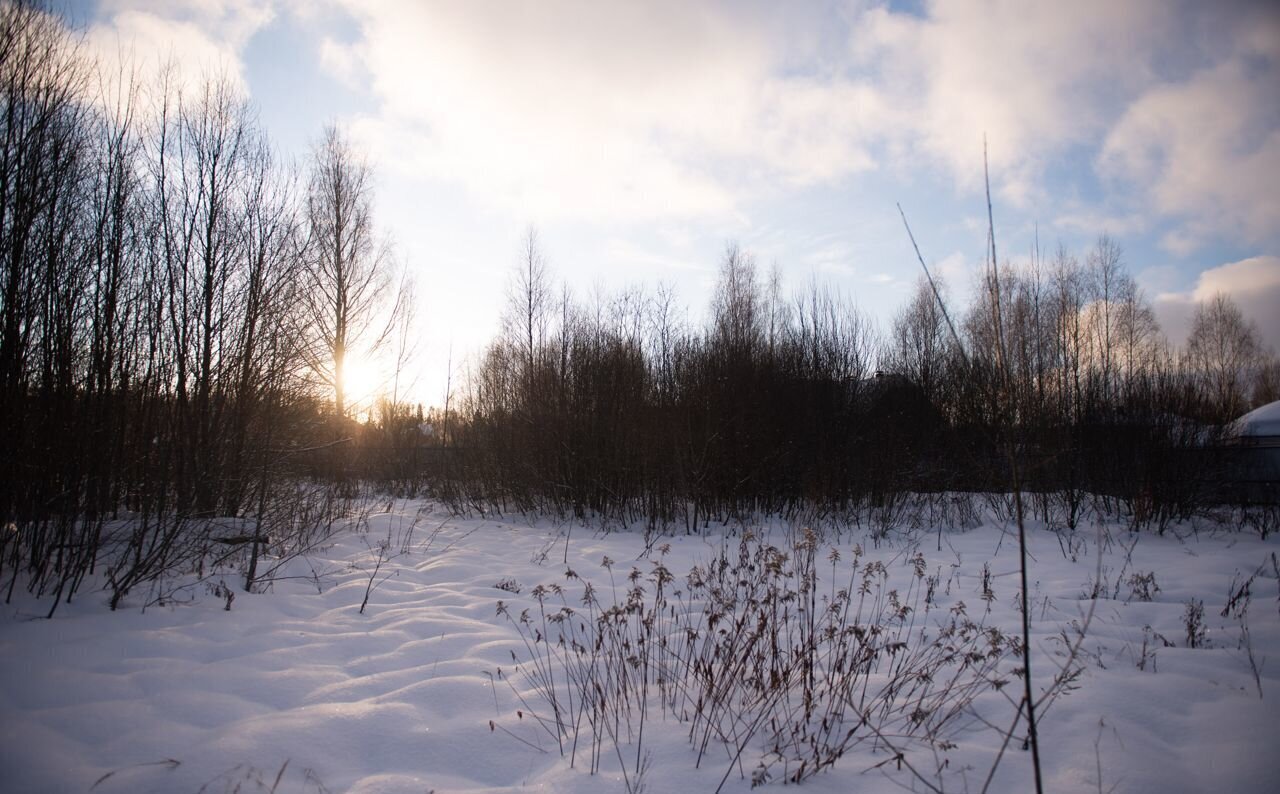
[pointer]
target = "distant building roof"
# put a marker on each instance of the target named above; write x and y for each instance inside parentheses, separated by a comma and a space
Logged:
(1259, 423)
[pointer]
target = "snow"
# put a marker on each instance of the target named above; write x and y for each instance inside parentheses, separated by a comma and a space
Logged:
(1262, 421)
(296, 683)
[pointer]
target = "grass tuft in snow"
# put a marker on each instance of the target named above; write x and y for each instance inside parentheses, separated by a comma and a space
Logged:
(771, 671)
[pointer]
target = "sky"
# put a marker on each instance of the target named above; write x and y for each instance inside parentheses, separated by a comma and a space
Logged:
(640, 139)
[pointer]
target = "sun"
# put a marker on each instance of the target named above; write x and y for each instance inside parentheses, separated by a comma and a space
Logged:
(363, 381)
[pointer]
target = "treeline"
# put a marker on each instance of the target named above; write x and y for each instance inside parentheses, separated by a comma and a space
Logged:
(795, 403)
(176, 305)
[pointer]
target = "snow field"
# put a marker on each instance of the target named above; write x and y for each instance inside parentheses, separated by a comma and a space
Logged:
(421, 693)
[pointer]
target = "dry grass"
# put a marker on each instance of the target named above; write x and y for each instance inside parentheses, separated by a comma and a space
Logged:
(759, 660)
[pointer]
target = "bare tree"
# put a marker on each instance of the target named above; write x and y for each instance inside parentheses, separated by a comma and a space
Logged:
(348, 282)
(737, 303)
(529, 304)
(921, 345)
(203, 160)
(1223, 355)
(148, 318)
(42, 148)
(664, 331)
(1141, 346)
(1266, 387)
(1108, 283)
(1069, 343)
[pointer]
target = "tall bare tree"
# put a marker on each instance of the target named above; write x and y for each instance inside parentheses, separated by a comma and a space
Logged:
(1223, 354)
(42, 164)
(737, 303)
(920, 345)
(351, 303)
(529, 305)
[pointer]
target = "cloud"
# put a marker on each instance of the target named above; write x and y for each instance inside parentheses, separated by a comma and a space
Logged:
(1178, 104)
(956, 270)
(200, 37)
(1254, 285)
(635, 111)
(1034, 79)
(230, 22)
(1091, 221)
(678, 108)
(648, 112)
(342, 62)
(662, 110)
(630, 256)
(831, 256)
(683, 109)
(1206, 151)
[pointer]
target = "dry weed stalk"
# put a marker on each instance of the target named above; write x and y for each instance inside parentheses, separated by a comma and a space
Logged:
(759, 659)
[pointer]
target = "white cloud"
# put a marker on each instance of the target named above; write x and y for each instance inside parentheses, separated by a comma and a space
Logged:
(1092, 221)
(1180, 102)
(230, 22)
(1034, 78)
(675, 109)
(631, 257)
(1207, 151)
(342, 61)
(1247, 275)
(635, 111)
(200, 37)
(831, 256)
(1254, 285)
(645, 111)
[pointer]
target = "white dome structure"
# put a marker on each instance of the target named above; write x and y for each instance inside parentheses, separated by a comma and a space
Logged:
(1254, 454)
(1259, 425)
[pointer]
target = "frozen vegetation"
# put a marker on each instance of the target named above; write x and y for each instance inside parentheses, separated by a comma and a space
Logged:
(419, 651)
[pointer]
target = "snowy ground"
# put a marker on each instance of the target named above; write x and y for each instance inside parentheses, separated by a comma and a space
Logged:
(420, 692)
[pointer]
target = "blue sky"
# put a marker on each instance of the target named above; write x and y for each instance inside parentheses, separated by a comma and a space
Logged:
(641, 138)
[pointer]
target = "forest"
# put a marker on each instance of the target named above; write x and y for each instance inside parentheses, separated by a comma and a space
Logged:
(177, 305)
